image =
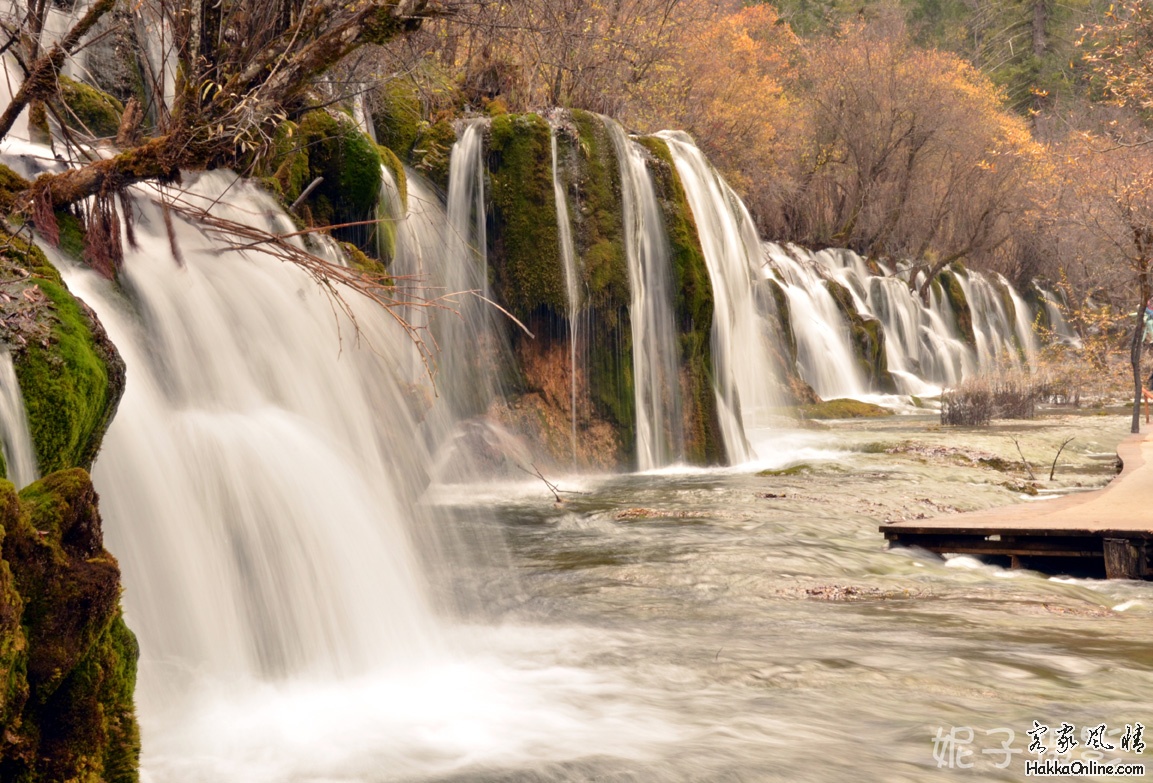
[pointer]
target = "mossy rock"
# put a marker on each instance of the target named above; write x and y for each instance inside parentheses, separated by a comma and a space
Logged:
(76, 720)
(954, 294)
(72, 234)
(396, 168)
(11, 184)
(599, 214)
(799, 469)
(844, 409)
(1042, 322)
(598, 223)
(396, 114)
(348, 161)
(285, 169)
(432, 152)
(89, 109)
(13, 641)
(363, 263)
(867, 336)
(390, 211)
(704, 441)
(524, 245)
(70, 374)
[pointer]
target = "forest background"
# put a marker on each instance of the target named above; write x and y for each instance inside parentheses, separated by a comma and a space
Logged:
(1011, 135)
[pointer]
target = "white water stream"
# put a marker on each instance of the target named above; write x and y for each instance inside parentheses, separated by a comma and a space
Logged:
(743, 371)
(572, 285)
(660, 433)
(15, 440)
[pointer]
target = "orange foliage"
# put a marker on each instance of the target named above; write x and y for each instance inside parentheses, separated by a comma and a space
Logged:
(723, 82)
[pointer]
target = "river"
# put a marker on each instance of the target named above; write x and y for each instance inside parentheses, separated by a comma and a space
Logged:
(728, 626)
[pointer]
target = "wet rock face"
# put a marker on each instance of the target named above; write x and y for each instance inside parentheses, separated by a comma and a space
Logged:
(68, 660)
(868, 340)
(70, 374)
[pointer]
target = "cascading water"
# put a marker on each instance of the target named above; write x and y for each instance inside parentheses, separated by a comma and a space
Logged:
(823, 351)
(470, 345)
(660, 433)
(572, 284)
(992, 326)
(744, 375)
(260, 486)
(15, 440)
(242, 405)
(923, 347)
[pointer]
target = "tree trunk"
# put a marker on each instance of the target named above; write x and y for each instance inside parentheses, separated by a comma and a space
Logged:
(1136, 350)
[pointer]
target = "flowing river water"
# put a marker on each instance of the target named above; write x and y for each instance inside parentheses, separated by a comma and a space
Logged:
(731, 626)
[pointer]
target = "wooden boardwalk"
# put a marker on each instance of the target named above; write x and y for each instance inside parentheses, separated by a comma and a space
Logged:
(1108, 531)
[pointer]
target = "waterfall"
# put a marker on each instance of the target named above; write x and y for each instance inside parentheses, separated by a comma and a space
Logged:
(15, 440)
(744, 375)
(660, 434)
(923, 348)
(1057, 324)
(572, 284)
(253, 481)
(1025, 335)
(469, 339)
(824, 353)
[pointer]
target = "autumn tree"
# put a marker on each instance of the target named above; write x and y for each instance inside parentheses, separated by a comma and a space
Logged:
(241, 69)
(1119, 49)
(904, 153)
(722, 81)
(539, 53)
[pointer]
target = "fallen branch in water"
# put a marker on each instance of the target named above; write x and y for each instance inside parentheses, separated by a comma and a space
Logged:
(1025, 462)
(553, 488)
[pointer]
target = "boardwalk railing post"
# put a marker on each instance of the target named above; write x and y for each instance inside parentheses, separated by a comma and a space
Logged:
(1122, 559)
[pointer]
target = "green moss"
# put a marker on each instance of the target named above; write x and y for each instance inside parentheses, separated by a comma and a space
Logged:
(868, 339)
(287, 165)
(362, 263)
(391, 210)
(396, 114)
(396, 168)
(89, 109)
(955, 296)
(432, 151)
(11, 184)
(598, 214)
(72, 233)
(524, 246)
(844, 409)
(13, 643)
(39, 132)
(348, 161)
(76, 720)
(72, 380)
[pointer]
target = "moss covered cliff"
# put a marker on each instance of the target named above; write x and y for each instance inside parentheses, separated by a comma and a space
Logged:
(69, 373)
(867, 337)
(598, 216)
(67, 661)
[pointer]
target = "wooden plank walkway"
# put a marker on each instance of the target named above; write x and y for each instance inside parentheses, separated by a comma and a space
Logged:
(1109, 530)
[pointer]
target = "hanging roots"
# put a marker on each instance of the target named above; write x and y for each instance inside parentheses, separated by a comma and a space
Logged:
(103, 250)
(44, 217)
(129, 219)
